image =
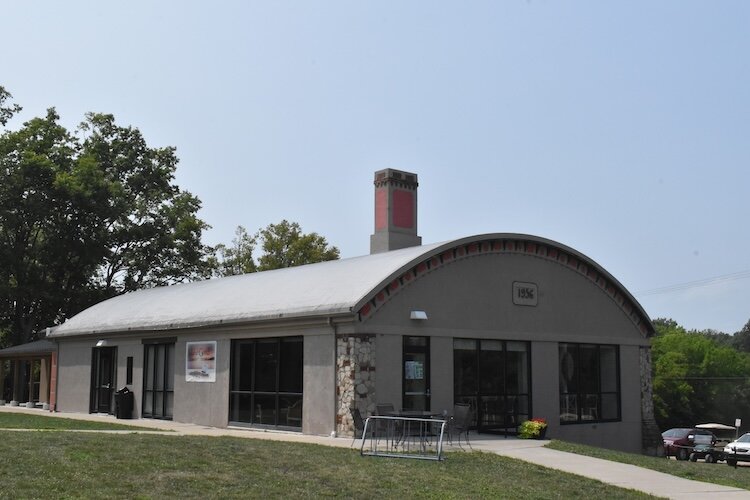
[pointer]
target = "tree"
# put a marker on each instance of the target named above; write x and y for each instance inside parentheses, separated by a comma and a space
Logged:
(6, 111)
(696, 378)
(283, 245)
(741, 339)
(44, 243)
(153, 232)
(237, 258)
(86, 217)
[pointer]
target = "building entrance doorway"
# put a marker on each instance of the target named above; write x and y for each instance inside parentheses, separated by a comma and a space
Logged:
(103, 363)
(416, 380)
(493, 376)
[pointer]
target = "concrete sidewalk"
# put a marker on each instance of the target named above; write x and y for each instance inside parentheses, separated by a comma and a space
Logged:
(615, 473)
(533, 451)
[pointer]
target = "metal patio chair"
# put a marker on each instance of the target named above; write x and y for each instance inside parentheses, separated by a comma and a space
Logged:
(359, 425)
(460, 422)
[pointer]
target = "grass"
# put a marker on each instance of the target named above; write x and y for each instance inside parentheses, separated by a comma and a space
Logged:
(84, 465)
(710, 473)
(42, 422)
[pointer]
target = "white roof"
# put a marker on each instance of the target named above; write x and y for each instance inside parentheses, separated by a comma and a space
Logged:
(323, 289)
(326, 288)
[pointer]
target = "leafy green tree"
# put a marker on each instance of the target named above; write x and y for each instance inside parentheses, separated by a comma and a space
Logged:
(696, 378)
(45, 227)
(237, 258)
(87, 217)
(285, 245)
(7, 110)
(153, 232)
(741, 339)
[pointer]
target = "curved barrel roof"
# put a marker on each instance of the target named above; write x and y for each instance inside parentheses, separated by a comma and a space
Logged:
(347, 286)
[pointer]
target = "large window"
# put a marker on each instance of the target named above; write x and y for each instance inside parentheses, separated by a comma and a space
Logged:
(493, 377)
(158, 380)
(266, 382)
(589, 383)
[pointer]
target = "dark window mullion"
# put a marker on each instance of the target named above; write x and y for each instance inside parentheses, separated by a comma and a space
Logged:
(276, 387)
(164, 382)
(145, 379)
(599, 413)
(253, 362)
(154, 375)
(577, 376)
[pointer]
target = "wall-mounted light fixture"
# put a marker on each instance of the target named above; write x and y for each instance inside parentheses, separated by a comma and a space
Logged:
(101, 343)
(418, 315)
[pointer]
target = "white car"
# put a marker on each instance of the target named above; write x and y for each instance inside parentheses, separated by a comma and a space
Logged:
(738, 450)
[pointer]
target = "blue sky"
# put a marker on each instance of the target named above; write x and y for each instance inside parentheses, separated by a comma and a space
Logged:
(621, 129)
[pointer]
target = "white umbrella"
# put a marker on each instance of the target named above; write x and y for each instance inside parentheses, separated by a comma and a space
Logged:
(720, 427)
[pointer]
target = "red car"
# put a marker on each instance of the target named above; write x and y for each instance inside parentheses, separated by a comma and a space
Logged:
(679, 442)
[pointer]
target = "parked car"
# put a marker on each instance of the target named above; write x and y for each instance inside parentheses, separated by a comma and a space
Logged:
(679, 442)
(738, 450)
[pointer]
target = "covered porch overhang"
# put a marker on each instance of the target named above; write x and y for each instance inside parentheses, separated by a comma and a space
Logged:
(27, 374)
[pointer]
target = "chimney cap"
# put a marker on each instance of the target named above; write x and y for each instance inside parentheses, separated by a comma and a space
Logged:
(391, 175)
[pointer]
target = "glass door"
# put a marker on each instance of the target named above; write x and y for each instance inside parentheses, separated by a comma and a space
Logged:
(103, 382)
(416, 376)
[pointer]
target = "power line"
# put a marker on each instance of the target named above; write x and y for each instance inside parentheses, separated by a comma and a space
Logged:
(705, 378)
(695, 284)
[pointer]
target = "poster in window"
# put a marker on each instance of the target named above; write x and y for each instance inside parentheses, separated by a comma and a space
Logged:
(413, 370)
(200, 362)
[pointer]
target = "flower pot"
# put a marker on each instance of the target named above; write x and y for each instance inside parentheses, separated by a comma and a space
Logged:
(542, 433)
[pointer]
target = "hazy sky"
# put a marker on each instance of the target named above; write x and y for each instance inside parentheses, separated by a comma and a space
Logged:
(621, 129)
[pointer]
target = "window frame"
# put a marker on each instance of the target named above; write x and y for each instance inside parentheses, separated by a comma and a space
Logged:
(248, 366)
(479, 393)
(153, 347)
(580, 394)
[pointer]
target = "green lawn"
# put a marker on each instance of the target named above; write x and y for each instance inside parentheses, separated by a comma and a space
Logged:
(64, 464)
(27, 421)
(711, 473)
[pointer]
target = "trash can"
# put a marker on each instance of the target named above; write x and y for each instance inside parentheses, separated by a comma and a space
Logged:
(124, 403)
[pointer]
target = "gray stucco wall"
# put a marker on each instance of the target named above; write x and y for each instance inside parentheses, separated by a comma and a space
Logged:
(441, 364)
(388, 381)
(134, 348)
(318, 399)
(74, 376)
(472, 298)
(204, 403)
(74, 372)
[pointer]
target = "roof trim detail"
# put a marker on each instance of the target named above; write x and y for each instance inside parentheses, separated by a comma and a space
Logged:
(508, 244)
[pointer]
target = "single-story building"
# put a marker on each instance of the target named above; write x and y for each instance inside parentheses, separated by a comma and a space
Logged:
(516, 325)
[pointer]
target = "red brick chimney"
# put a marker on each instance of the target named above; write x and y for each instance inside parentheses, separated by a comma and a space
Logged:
(395, 211)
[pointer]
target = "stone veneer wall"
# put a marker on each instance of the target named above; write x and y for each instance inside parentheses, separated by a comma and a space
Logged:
(651, 440)
(355, 379)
